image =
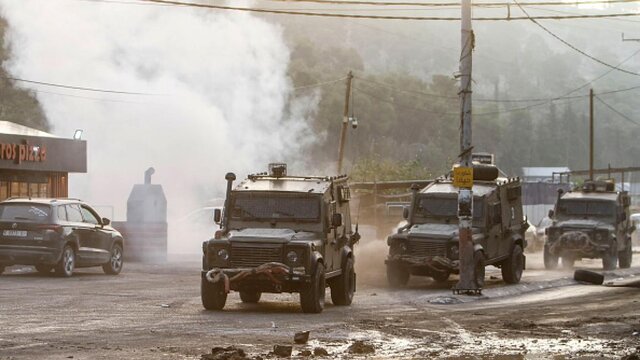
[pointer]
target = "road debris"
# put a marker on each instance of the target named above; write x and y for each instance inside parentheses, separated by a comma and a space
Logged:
(282, 350)
(228, 353)
(301, 337)
(320, 352)
(361, 347)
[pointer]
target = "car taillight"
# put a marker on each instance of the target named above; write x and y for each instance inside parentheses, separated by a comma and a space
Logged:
(56, 228)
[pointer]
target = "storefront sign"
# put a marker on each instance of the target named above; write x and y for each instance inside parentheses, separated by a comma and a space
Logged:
(24, 152)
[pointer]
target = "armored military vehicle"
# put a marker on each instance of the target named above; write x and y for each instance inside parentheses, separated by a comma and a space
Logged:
(590, 222)
(282, 233)
(428, 244)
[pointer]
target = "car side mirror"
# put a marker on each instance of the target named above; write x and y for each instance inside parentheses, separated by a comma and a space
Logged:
(551, 213)
(217, 215)
(405, 213)
(106, 221)
(336, 220)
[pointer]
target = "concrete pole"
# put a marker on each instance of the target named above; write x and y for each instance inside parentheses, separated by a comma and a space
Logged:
(467, 283)
(591, 134)
(345, 122)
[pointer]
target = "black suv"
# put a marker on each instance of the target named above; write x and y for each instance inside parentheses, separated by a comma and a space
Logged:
(57, 234)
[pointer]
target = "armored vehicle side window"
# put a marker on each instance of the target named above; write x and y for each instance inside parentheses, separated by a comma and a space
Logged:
(275, 207)
(28, 212)
(439, 207)
(586, 208)
(73, 213)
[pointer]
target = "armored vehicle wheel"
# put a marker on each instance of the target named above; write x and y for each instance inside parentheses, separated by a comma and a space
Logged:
(312, 296)
(114, 266)
(568, 261)
(250, 297)
(610, 259)
(441, 276)
(343, 287)
(213, 295)
(513, 265)
(479, 268)
(625, 256)
(44, 269)
(67, 262)
(550, 260)
(397, 276)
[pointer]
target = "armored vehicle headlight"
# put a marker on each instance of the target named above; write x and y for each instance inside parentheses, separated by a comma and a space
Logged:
(403, 247)
(223, 254)
(598, 236)
(292, 256)
(454, 251)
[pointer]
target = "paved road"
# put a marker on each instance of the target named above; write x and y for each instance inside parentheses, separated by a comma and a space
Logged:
(154, 311)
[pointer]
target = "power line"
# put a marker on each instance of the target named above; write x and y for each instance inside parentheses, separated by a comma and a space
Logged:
(318, 84)
(618, 112)
(72, 87)
(457, 4)
(572, 46)
(378, 17)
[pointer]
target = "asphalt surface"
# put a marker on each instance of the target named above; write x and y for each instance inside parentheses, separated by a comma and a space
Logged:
(153, 311)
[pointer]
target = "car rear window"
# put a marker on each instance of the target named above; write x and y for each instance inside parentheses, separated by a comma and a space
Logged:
(25, 212)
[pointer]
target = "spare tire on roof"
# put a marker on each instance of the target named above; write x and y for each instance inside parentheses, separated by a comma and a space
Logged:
(485, 172)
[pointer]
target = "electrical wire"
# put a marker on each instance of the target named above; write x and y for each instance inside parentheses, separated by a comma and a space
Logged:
(318, 84)
(377, 17)
(72, 87)
(617, 112)
(478, 4)
(572, 46)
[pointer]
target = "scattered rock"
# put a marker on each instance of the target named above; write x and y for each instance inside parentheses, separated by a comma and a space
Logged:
(374, 294)
(282, 350)
(493, 277)
(301, 337)
(165, 306)
(305, 353)
(228, 353)
(445, 300)
(361, 347)
(634, 356)
(320, 352)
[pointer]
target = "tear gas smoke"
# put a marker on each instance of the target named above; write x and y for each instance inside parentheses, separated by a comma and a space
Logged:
(220, 95)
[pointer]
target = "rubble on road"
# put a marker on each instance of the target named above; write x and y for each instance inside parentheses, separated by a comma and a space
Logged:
(228, 353)
(301, 337)
(361, 347)
(282, 350)
(320, 352)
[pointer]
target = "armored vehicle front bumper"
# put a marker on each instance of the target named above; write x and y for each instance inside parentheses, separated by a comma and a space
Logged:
(268, 278)
(424, 265)
(580, 243)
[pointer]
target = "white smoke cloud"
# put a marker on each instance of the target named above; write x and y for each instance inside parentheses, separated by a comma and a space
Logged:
(221, 86)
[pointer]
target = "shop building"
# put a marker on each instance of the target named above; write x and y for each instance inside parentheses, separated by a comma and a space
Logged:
(37, 164)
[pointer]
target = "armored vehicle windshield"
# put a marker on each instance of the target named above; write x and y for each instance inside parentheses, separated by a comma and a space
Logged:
(430, 207)
(568, 208)
(275, 206)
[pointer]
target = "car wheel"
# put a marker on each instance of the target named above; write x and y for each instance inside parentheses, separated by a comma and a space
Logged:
(550, 260)
(213, 295)
(610, 259)
(397, 276)
(44, 269)
(568, 261)
(625, 256)
(440, 276)
(343, 287)
(479, 268)
(312, 295)
(250, 297)
(114, 266)
(67, 263)
(513, 265)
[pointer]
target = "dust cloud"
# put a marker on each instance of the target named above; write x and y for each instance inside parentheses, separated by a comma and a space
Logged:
(216, 96)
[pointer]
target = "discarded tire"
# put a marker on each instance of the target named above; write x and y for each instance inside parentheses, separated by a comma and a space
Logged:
(588, 277)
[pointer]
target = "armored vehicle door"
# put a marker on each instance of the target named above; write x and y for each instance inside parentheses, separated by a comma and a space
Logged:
(512, 216)
(340, 224)
(494, 228)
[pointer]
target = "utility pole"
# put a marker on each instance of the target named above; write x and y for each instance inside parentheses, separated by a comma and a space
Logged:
(345, 122)
(591, 134)
(467, 283)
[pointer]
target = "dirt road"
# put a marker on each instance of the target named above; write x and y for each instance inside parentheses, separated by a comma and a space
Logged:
(154, 312)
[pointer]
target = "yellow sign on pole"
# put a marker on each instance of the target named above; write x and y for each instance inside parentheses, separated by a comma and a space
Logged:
(463, 177)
